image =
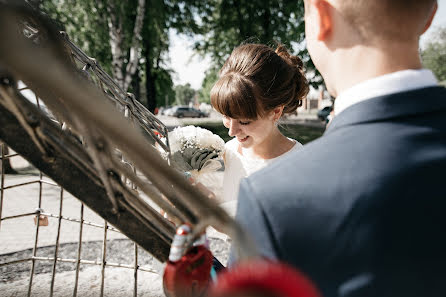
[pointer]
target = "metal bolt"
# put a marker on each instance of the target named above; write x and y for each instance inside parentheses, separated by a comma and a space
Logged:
(6, 81)
(100, 144)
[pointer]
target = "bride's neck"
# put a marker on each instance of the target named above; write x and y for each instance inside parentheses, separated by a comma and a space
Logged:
(272, 147)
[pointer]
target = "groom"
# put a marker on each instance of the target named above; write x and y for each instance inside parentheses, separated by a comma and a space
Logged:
(362, 210)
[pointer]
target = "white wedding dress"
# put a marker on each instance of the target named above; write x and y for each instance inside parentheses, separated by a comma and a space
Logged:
(237, 167)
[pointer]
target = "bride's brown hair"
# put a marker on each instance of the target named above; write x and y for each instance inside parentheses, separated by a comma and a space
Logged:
(255, 79)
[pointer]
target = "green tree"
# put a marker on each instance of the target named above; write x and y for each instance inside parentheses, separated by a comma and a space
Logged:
(224, 24)
(204, 94)
(184, 94)
(158, 79)
(89, 22)
(164, 88)
(128, 38)
(434, 54)
(84, 22)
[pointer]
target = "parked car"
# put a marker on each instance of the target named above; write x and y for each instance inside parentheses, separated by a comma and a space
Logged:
(161, 110)
(186, 111)
(168, 111)
(323, 113)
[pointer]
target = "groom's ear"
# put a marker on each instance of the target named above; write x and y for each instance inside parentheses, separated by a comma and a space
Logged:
(324, 18)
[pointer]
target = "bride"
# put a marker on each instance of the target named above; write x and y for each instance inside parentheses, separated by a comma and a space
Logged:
(256, 87)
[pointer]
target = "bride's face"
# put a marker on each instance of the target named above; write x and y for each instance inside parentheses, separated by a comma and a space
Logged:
(250, 133)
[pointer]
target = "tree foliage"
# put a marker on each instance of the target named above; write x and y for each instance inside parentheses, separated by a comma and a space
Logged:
(83, 21)
(204, 94)
(109, 30)
(224, 24)
(231, 22)
(184, 94)
(217, 25)
(434, 54)
(99, 25)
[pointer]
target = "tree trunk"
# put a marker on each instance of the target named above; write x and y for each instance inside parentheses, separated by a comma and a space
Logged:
(267, 23)
(124, 74)
(115, 33)
(150, 83)
(136, 89)
(135, 47)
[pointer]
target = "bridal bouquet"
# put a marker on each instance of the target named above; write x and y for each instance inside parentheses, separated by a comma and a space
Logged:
(195, 150)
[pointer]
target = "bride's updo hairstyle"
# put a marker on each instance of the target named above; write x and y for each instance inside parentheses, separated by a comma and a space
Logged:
(255, 79)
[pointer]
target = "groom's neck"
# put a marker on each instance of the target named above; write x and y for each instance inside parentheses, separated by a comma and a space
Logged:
(360, 63)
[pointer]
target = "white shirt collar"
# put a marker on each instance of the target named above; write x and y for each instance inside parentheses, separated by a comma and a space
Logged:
(395, 82)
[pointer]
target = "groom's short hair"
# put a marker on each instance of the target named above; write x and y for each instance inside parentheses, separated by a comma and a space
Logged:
(387, 19)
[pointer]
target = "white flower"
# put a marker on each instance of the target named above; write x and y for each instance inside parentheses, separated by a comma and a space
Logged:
(193, 148)
(194, 137)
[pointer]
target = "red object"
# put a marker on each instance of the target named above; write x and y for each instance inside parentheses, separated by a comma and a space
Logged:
(157, 133)
(262, 276)
(190, 276)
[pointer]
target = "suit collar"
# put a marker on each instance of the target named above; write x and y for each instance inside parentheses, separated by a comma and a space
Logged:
(425, 100)
(391, 83)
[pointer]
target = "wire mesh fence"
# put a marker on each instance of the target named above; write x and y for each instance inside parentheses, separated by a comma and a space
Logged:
(51, 244)
(22, 218)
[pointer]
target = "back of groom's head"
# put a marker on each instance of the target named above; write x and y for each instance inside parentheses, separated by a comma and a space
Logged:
(351, 41)
(387, 19)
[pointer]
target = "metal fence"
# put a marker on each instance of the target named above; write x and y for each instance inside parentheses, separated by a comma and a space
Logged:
(41, 220)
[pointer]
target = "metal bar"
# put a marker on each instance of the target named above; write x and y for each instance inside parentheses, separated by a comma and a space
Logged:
(86, 262)
(49, 183)
(18, 216)
(2, 180)
(111, 228)
(15, 261)
(56, 249)
(33, 262)
(135, 272)
(4, 157)
(104, 251)
(79, 248)
(31, 182)
(22, 184)
(37, 101)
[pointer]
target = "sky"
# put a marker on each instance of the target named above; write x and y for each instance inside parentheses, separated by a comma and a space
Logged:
(190, 68)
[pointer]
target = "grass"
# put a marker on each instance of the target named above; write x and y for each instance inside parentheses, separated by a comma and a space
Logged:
(303, 134)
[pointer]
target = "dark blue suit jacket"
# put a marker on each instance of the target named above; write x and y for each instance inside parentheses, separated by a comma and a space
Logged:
(361, 210)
